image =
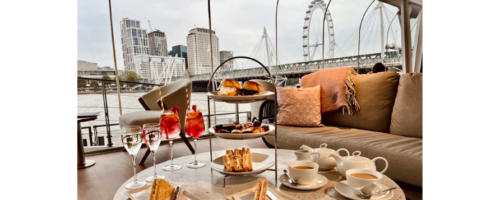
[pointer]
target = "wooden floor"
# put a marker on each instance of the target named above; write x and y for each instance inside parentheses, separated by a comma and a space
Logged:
(113, 169)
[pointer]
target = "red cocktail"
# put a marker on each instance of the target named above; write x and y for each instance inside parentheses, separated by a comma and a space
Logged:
(195, 127)
(171, 128)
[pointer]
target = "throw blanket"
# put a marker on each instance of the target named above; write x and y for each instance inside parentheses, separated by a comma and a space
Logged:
(337, 89)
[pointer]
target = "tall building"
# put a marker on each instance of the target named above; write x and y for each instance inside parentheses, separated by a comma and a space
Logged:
(198, 49)
(225, 55)
(180, 51)
(157, 43)
(134, 43)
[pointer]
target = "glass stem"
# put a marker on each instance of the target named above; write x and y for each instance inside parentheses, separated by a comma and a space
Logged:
(171, 152)
(195, 152)
(135, 174)
(154, 163)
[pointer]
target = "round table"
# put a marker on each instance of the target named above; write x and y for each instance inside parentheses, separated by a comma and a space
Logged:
(205, 183)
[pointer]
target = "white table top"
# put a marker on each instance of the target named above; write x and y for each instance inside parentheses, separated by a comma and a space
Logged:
(205, 183)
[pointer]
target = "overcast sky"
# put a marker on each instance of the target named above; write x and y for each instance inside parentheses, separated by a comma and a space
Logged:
(238, 23)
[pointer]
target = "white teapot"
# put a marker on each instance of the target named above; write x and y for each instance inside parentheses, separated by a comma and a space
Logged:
(356, 162)
(324, 160)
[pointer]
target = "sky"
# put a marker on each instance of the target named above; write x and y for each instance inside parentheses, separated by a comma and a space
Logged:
(238, 23)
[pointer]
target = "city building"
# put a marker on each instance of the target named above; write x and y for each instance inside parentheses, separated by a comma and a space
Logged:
(155, 69)
(180, 51)
(198, 51)
(134, 42)
(225, 55)
(157, 43)
(91, 70)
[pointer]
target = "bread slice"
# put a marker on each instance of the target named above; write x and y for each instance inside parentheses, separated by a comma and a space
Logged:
(256, 194)
(247, 163)
(227, 162)
(260, 191)
(161, 190)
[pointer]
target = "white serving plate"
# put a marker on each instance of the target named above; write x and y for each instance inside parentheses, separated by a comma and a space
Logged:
(260, 163)
(240, 99)
(344, 189)
(236, 136)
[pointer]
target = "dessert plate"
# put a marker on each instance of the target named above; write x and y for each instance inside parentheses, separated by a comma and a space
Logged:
(240, 99)
(260, 162)
(319, 181)
(248, 194)
(236, 136)
(344, 189)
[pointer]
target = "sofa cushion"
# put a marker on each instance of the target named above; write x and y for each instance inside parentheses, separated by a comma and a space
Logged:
(299, 106)
(407, 113)
(375, 94)
(404, 154)
(140, 118)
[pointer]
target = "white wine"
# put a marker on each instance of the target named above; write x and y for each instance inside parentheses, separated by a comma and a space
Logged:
(132, 142)
(153, 139)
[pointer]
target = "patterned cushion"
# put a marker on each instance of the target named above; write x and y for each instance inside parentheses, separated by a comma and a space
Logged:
(299, 106)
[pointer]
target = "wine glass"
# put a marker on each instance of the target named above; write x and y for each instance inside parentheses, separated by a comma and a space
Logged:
(152, 138)
(170, 129)
(132, 141)
(195, 127)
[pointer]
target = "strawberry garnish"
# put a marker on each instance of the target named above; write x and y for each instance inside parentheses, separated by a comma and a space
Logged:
(175, 109)
(194, 108)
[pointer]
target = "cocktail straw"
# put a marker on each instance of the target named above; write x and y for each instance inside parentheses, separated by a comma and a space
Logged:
(161, 100)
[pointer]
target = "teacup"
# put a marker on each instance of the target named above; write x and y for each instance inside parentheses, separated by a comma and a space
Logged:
(364, 182)
(303, 172)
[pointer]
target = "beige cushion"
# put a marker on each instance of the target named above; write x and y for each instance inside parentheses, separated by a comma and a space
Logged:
(299, 106)
(376, 94)
(140, 118)
(404, 154)
(407, 113)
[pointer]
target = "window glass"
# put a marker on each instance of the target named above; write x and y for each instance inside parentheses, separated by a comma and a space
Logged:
(144, 33)
(138, 24)
(128, 23)
(134, 32)
(135, 41)
(133, 23)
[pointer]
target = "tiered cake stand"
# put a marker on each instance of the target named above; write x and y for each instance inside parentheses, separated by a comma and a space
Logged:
(238, 100)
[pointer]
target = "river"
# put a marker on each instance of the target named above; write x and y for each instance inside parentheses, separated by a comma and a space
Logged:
(94, 103)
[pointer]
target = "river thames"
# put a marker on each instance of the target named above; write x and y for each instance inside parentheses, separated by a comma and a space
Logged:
(94, 103)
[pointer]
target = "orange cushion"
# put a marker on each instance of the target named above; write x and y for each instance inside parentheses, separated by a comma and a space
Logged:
(299, 106)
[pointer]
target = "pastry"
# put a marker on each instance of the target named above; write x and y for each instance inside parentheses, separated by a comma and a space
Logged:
(235, 131)
(161, 190)
(251, 88)
(265, 127)
(229, 87)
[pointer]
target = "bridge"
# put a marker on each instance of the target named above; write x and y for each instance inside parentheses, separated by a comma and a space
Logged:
(300, 69)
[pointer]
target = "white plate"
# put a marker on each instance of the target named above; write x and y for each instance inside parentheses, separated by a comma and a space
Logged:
(344, 189)
(319, 181)
(242, 135)
(240, 99)
(260, 162)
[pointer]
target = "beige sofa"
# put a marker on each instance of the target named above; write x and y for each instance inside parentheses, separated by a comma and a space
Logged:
(389, 124)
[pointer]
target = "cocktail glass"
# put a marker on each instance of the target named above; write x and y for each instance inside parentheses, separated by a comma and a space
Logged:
(195, 127)
(170, 129)
(132, 140)
(152, 138)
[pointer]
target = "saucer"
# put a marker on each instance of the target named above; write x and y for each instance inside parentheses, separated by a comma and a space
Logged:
(344, 189)
(319, 181)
